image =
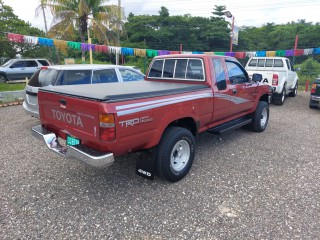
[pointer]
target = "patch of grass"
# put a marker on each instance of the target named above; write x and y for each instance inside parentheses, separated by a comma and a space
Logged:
(11, 86)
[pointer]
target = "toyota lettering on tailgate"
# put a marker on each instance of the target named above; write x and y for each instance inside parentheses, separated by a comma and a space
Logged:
(67, 117)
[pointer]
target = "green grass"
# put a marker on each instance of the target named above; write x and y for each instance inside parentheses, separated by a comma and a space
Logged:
(11, 86)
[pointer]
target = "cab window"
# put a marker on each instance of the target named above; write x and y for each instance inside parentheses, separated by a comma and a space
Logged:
(156, 69)
(269, 62)
(253, 62)
(236, 73)
(220, 75)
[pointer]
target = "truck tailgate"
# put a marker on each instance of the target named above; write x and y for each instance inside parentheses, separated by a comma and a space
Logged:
(69, 115)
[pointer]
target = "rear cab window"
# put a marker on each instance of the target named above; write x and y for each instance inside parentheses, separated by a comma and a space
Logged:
(266, 62)
(177, 69)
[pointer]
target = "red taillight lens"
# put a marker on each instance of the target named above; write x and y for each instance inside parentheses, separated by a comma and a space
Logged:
(107, 127)
(275, 79)
(44, 68)
(313, 88)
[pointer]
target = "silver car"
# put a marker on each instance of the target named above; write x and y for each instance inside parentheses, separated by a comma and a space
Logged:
(74, 74)
(20, 69)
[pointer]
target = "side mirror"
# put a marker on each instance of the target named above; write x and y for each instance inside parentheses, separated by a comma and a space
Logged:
(256, 77)
(297, 69)
(222, 85)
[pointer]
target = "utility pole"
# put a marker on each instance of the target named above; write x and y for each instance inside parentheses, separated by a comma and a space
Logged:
(89, 42)
(119, 23)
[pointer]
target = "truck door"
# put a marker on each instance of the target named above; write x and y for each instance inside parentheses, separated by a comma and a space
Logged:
(221, 92)
(291, 74)
(242, 88)
(17, 70)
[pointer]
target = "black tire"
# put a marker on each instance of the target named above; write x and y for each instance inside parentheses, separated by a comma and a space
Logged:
(295, 91)
(312, 106)
(3, 78)
(282, 96)
(260, 117)
(167, 154)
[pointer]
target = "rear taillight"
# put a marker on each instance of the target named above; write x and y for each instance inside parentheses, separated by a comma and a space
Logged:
(107, 127)
(313, 88)
(275, 79)
(44, 68)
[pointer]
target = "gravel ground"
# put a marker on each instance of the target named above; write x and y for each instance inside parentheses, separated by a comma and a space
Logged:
(242, 185)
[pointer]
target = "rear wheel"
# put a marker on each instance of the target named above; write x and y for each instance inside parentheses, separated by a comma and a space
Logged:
(295, 91)
(279, 101)
(175, 154)
(3, 78)
(260, 117)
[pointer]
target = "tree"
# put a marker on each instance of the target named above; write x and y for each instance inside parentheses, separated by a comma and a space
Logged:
(42, 8)
(73, 17)
(9, 22)
(164, 12)
(217, 32)
(219, 12)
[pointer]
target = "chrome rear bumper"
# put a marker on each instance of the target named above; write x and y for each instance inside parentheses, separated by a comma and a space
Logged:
(87, 155)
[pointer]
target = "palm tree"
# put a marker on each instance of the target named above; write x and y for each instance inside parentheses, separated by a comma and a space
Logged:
(72, 16)
(41, 8)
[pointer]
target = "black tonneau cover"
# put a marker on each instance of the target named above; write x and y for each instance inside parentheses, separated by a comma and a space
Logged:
(114, 92)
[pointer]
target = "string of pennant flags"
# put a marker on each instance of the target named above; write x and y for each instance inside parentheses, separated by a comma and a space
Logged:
(65, 45)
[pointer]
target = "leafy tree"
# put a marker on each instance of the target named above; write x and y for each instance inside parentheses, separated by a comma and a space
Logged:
(310, 68)
(164, 12)
(218, 12)
(216, 33)
(72, 17)
(9, 22)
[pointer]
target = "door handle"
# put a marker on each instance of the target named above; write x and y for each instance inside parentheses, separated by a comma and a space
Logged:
(234, 90)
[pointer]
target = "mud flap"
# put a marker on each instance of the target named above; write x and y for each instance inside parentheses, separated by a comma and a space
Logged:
(146, 164)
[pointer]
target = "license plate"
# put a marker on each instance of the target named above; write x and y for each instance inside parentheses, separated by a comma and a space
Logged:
(72, 141)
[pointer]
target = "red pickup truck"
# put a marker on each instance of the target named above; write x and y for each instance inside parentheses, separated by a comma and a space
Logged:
(183, 95)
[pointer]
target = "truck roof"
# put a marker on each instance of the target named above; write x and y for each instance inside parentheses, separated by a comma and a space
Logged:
(190, 56)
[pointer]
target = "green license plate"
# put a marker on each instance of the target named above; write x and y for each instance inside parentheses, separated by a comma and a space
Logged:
(72, 141)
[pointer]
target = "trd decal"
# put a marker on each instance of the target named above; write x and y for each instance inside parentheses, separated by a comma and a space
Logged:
(135, 121)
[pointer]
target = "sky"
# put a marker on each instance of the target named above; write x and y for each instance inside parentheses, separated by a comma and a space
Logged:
(246, 13)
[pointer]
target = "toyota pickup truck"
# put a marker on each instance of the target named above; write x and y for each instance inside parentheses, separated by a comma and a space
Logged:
(277, 72)
(182, 95)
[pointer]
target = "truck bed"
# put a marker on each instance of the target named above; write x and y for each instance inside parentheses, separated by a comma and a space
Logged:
(114, 92)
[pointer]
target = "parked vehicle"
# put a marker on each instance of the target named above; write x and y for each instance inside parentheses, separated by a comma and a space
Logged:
(20, 69)
(74, 74)
(315, 94)
(277, 72)
(183, 95)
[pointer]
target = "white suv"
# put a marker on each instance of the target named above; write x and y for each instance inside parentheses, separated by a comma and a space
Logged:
(73, 75)
(278, 72)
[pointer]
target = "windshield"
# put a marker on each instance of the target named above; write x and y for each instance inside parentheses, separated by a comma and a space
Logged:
(7, 63)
